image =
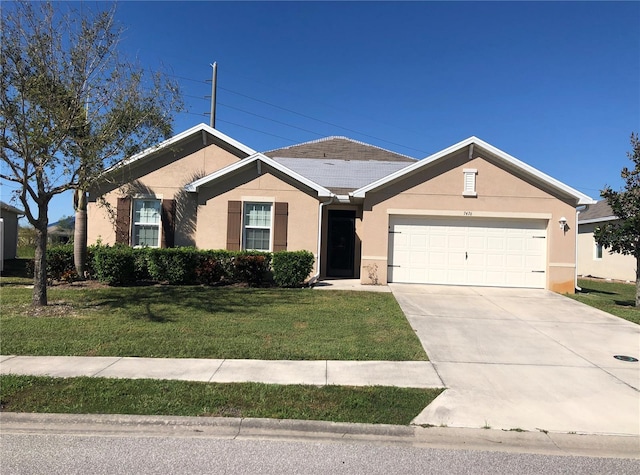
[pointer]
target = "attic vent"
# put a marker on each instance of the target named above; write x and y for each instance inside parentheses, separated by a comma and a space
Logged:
(469, 187)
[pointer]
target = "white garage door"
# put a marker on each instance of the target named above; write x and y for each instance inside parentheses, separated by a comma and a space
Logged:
(471, 251)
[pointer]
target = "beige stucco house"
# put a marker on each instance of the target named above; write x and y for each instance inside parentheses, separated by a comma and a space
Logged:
(468, 215)
(593, 260)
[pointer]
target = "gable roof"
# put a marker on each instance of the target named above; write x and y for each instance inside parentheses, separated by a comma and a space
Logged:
(207, 134)
(341, 176)
(250, 161)
(505, 158)
(597, 213)
(337, 147)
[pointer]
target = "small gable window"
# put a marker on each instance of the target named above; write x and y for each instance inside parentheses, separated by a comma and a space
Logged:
(146, 222)
(469, 182)
(598, 251)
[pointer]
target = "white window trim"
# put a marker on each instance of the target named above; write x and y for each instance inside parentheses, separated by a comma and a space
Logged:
(469, 190)
(135, 223)
(245, 227)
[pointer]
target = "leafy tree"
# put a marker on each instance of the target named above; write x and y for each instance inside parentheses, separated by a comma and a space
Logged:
(70, 107)
(623, 236)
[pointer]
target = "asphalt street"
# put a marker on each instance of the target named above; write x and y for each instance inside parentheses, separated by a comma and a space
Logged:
(126, 454)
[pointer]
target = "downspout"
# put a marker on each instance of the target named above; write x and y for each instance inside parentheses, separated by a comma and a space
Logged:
(315, 278)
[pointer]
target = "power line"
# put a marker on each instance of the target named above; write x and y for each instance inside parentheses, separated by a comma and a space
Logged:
(320, 120)
(272, 120)
(296, 113)
(259, 131)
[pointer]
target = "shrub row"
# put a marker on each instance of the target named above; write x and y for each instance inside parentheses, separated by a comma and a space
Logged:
(123, 265)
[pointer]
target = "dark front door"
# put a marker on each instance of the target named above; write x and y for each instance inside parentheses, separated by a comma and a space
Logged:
(341, 243)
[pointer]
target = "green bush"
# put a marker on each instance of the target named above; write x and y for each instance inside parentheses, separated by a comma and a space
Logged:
(123, 265)
(174, 265)
(141, 263)
(60, 263)
(252, 267)
(115, 265)
(211, 269)
(291, 268)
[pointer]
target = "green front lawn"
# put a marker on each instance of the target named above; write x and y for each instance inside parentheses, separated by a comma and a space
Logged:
(205, 322)
(374, 405)
(616, 298)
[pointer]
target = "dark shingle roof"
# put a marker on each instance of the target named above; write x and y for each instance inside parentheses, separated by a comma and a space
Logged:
(599, 211)
(339, 148)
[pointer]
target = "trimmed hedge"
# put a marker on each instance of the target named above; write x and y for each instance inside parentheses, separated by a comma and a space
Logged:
(252, 267)
(60, 264)
(115, 265)
(124, 265)
(291, 269)
(174, 265)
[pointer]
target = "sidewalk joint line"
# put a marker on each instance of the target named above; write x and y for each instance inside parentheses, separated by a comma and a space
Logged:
(217, 369)
(106, 367)
(326, 372)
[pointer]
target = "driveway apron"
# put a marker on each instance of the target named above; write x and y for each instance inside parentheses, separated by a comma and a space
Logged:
(525, 359)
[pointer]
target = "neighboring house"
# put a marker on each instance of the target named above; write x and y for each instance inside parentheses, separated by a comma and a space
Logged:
(61, 232)
(593, 260)
(469, 214)
(9, 230)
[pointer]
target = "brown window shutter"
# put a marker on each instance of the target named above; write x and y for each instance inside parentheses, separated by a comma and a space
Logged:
(280, 224)
(168, 223)
(123, 220)
(234, 223)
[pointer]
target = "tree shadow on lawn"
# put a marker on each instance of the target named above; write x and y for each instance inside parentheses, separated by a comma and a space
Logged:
(156, 303)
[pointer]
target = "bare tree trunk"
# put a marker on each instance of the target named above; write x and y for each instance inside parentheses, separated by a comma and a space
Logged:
(39, 296)
(80, 233)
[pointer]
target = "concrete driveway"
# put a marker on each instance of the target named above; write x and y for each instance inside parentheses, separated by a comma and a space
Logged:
(525, 359)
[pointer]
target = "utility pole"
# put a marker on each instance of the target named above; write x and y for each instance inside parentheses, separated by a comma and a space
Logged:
(214, 79)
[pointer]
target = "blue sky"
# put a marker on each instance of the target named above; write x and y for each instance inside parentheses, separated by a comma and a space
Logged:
(555, 84)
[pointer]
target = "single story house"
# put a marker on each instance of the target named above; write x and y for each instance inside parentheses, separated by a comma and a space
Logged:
(470, 214)
(8, 231)
(61, 232)
(593, 260)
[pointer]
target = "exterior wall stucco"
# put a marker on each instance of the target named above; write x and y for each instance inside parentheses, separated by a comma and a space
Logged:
(164, 177)
(610, 266)
(499, 192)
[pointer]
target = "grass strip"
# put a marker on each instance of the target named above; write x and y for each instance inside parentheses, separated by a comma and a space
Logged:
(373, 404)
(203, 322)
(616, 298)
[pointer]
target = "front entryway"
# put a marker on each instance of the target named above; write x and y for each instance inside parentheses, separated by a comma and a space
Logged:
(341, 243)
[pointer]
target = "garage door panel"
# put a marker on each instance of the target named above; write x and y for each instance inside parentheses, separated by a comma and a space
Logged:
(468, 251)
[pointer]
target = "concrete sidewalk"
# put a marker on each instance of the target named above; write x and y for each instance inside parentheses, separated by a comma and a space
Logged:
(406, 374)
